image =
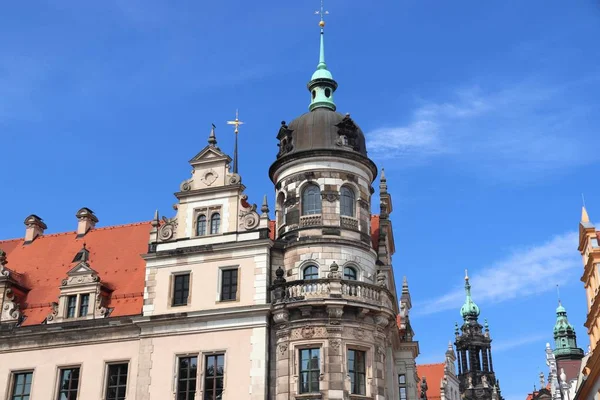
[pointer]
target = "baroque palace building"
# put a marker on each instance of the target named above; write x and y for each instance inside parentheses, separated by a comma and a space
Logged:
(219, 301)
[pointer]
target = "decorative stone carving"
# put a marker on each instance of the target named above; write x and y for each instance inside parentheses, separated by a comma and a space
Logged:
(381, 279)
(249, 218)
(335, 314)
(362, 313)
(281, 316)
(381, 321)
(100, 310)
(3, 271)
(10, 310)
(334, 272)
(53, 313)
(186, 185)
(168, 230)
(308, 332)
(234, 179)
(285, 139)
(210, 177)
(283, 347)
(330, 196)
(335, 345)
(358, 333)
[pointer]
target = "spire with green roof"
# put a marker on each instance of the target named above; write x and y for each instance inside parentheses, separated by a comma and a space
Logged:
(469, 310)
(565, 340)
(322, 85)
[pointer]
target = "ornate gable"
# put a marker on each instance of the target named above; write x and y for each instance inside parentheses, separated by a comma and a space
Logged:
(11, 292)
(82, 294)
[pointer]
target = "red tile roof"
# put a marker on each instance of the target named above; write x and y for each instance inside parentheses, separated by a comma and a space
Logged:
(433, 373)
(375, 231)
(114, 253)
(272, 230)
(571, 368)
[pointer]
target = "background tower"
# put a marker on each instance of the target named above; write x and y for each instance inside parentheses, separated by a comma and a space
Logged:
(474, 351)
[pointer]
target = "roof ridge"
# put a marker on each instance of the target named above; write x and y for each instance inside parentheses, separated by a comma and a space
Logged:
(430, 364)
(74, 231)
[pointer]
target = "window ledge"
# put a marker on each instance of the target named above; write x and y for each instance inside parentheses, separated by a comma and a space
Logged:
(359, 397)
(308, 396)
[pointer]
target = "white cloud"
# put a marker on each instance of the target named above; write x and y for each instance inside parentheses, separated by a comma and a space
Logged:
(526, 128)
(505, 345)
(526, 272)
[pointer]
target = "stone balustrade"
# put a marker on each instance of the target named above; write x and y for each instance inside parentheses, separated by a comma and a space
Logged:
(310, 220)
(348, 222)
(332, 288)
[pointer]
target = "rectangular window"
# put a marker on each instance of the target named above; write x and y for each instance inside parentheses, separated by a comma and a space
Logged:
(116, 381)
(21, 385)
(594, 242)
(402, 386)
(187, 372)
(309, 370)
(229, 283)
(71, 306)
(213, 376)
(84, 302)
(181, 289)
(357, 371)
(68, 383)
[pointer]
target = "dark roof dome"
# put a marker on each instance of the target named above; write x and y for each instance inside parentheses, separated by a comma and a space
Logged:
(324, 128)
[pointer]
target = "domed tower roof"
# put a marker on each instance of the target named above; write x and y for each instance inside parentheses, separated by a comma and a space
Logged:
(322, 130)
(565, 339)
(469, 310)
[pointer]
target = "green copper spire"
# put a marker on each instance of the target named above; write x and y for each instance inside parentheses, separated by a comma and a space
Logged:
(469, 310)
(565, 340)
(322, 85)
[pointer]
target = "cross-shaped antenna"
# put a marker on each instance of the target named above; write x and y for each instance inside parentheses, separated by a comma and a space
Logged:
(322, 13)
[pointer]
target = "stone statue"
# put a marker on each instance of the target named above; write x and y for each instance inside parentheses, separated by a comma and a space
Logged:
(470, 382)
(423, 395)
(484, 381)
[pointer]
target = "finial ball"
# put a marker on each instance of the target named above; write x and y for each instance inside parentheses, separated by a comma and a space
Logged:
(322, 24)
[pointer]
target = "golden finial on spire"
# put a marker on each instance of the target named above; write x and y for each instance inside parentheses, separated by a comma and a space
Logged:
(322, 13)
(236, 122)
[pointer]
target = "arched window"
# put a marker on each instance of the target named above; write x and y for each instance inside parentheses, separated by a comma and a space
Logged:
(347, 202)
(349, 274)
(310, 272)
(215, 223)
(201, 225)
(280, 208)
(311, 200)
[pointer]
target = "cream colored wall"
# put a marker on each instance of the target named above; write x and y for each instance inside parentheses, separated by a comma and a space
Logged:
(237, 347)
(92, 360)
(252, 264)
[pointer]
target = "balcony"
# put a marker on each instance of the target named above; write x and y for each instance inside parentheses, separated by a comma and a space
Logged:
(303, 291)
(310, 220)
(348, 222)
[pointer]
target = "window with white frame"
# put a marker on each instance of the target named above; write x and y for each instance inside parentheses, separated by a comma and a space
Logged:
(68, 383)
(187, 374)
(215, 223)
(402, 387)
(77, 305)
(116, 381)
(229, 284)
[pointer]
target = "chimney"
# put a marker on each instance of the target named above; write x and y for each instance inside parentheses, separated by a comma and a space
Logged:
(86, 221)
(35, 227)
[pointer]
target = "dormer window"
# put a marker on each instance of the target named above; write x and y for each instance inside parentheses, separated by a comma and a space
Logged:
(215, 223)
(81, 294)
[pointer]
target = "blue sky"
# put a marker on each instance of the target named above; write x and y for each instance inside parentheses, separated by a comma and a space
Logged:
(484, 115)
